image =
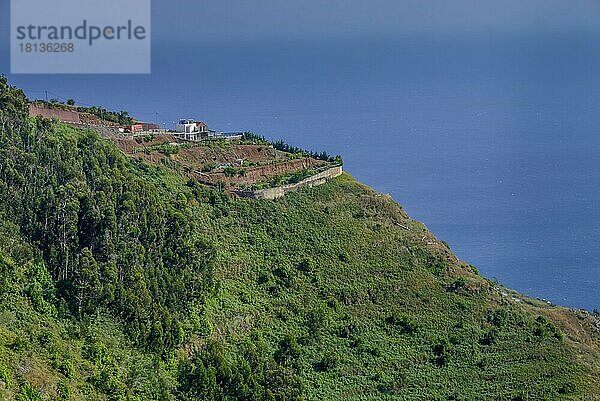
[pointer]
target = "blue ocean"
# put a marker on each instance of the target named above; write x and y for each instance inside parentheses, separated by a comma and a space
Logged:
(493, 141)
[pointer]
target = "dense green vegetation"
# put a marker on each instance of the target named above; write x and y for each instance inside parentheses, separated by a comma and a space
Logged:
(250, 138)
(284, 147)
(166, 149)
(117, 117)
(289, 178)
(124, 281)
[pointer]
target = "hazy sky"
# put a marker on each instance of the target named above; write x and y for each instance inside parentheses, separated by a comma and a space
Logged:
(200, 27)
(247, 20)
(264, 19)
(196, 26)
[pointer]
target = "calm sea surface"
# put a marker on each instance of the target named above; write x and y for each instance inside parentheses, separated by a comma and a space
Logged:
(493, 142)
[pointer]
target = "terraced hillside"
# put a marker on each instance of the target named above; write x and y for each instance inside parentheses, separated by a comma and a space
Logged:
(230, 165)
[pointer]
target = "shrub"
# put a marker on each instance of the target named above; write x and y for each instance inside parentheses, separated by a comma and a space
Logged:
(250, 137)
(208, 167)
(284, 147)
(307, 265)
(344, 257)
(350, 331)
(283, 275)
(5, 376)
(499, 317)
(328, 362)
(28, 393)
(567, 388)
(441, 352)
(66, 368)
(490, 337)
(403, 323)
(289, 351)
(315, 321)
(457, 285)
(64, 391)
(544, 328)
(230, 171)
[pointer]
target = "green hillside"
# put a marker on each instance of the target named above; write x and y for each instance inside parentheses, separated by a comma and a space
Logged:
(121, 280)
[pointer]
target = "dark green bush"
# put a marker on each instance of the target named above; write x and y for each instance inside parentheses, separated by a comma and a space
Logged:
(327, 363)
(404, 324)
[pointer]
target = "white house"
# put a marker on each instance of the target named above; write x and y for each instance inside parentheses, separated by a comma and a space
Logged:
(191, 130)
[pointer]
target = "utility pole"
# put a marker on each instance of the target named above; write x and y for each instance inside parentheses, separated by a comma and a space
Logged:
(46, 92)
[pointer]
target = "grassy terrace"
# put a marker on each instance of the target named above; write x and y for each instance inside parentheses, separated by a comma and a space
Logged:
(290, 178)
(268, 165)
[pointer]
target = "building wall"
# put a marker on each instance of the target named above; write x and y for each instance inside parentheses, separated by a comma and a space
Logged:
(150, 126)
(187, 128)
(61, 115)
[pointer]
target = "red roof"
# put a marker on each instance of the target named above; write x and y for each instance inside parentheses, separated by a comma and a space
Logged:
(201, 123)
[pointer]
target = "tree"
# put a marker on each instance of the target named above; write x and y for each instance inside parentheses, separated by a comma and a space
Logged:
(86, 283)
(12, 100)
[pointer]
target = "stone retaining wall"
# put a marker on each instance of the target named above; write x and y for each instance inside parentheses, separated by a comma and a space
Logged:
(278, 192)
